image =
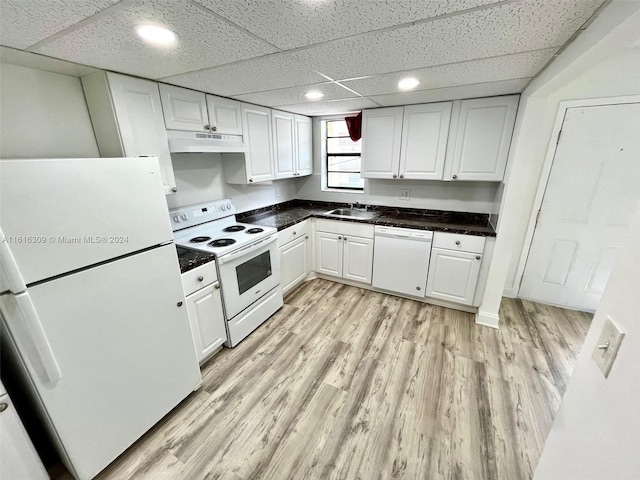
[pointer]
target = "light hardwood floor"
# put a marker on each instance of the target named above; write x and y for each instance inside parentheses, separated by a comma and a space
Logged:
(345, 383)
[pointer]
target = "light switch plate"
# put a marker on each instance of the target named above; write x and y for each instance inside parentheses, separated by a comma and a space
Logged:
(607, 346)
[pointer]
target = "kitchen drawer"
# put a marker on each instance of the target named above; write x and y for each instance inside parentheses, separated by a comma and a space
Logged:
(198, 278)
(293, 232)
(459, 242)
(344, 228)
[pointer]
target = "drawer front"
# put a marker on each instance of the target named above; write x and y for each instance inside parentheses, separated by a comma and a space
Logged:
(293, 232)
(345, 228)
(198, 278)
(456, 241)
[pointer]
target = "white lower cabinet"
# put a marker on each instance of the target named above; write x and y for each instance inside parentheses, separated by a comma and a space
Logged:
(344, 250)
(295, 255)
(454, 270)
(204, 305)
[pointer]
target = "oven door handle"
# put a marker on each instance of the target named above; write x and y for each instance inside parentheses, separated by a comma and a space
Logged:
(247, 250)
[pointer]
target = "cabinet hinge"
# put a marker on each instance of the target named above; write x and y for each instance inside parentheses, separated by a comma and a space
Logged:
(538, 216)
(558, 139)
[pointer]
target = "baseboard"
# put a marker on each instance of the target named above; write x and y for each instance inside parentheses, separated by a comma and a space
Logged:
(487, 319)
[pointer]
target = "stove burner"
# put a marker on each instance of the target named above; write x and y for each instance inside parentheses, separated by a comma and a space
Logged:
(255, 230)
(222, 242)
(199, 239)
(234, 228)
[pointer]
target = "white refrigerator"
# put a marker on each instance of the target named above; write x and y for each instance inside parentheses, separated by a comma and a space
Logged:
(92, 302)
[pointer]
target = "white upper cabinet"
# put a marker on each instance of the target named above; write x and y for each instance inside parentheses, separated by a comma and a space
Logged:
(405, 142)
(283, 144)
(292, 153)
(256, 124)
(381, 140)
(425, 129)
(193, 111)
(480, 137)
(184, 109)
(225, 115)
(126, 113)
(304, 154)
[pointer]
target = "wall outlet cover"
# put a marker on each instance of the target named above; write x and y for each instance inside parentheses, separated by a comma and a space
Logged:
(607, 346)
(405, 194)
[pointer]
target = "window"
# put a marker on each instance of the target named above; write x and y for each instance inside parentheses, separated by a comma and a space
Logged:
(343, 157)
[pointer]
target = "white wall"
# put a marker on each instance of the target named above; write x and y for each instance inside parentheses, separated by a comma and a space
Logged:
(200, 177)
(479, 197)
(596, 433)
(43, 115)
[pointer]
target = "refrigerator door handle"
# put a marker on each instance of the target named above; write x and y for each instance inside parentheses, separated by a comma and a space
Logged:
(10, 267)
(41, 355)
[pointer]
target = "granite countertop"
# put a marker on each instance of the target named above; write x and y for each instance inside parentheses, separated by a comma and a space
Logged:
(286, 214)
(190, 259)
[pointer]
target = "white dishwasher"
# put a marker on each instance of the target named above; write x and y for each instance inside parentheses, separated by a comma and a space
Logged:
(401, 260)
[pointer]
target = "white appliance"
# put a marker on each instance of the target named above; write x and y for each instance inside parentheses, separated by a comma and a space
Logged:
(92, 303)
(198, 142)
(401, 260)
(247, 259)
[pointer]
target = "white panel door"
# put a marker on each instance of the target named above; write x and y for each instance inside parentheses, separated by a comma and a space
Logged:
(294, 261)
(283, 144)
(425, 131)
(592, 192)
(256, 125)
(453, 276)
(304, 153)
(140, 120)
(358, 259)
(120, 335)
(225, 115)
(79, 212)
(483, 138)
(184, 109)
(207, 320)
(329, 250)
(381, 139)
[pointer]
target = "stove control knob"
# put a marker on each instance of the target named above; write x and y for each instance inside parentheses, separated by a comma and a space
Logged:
(228, 206)
(184, 216)
(223, 207)
(176, 218)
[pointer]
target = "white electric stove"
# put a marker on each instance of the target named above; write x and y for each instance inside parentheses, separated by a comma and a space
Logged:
(247, 260)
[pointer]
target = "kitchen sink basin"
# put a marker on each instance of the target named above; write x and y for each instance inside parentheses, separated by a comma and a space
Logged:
(352, 213)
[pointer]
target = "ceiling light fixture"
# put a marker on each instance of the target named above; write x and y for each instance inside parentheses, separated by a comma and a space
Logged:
(408, 84)
(156, 35)
(314, 95)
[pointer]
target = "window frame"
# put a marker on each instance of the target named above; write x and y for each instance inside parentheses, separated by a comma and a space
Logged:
(327, 155)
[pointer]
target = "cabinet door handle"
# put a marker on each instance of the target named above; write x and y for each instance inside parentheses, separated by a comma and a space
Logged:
(200, 278)
(401, 176)
(294, 233)
(214, 129)
(418, 288)
(207, 127)
(394, 175)
(478, 257)
(179, 304)
(339, 238)
(457, 242)
(251, 180)
(174, 189)
(3, 407)
(345, 239)
(454, 177)
(217, 286)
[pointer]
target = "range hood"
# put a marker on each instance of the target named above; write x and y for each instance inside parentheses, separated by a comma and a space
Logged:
(196, 142)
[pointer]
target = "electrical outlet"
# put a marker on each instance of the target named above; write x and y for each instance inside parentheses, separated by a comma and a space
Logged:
(607, 346)
(277, 192)
(405, 194)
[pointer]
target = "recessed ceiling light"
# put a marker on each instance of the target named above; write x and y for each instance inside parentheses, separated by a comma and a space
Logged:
(314, 95)
(408, 84)
(156, 35)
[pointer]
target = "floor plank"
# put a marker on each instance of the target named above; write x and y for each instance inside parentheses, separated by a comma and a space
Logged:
(346, 383)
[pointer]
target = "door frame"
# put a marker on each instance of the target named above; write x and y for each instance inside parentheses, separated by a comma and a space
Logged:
(563, 106)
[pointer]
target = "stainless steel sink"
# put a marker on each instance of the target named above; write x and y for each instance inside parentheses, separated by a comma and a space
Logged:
(352, 213)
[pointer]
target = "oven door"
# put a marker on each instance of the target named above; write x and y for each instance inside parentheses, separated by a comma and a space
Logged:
(248, 274)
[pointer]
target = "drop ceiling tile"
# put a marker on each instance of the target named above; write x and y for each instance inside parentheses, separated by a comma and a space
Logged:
(26, 22)
(290, 24)
(452, 93)
(271, 72)
(519, 65)
(330, 108)
(295, 95)
(500, 30)
(110, 42)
